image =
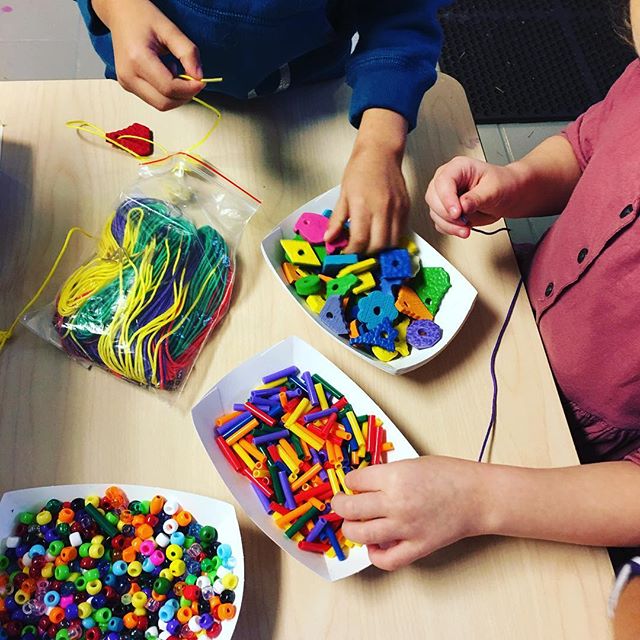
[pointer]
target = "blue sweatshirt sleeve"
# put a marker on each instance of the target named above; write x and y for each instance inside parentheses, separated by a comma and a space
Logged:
(394, 61)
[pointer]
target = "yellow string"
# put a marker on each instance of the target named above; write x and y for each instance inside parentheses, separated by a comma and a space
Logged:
(92, 129)
(92, 276)
(7, 333)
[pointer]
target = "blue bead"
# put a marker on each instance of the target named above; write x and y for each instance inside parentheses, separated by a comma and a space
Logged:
(395, 264)
(332, 316)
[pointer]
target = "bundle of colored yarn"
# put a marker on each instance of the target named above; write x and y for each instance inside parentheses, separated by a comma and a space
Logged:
(145, 304)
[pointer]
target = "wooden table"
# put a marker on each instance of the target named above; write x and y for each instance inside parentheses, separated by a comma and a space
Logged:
(60, 423)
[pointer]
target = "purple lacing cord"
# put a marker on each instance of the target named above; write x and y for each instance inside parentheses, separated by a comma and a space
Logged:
(494, 354)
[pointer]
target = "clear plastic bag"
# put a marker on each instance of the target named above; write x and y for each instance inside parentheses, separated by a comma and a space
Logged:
(161, 278)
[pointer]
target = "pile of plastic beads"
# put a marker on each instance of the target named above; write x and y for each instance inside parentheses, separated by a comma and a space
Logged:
(144, 305)
(295, 439)
(385, 305)
(108, 568)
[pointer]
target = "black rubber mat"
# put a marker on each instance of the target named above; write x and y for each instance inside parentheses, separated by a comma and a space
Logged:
(533, 61)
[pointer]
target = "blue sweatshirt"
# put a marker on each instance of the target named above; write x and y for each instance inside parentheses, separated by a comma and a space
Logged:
(263, 46)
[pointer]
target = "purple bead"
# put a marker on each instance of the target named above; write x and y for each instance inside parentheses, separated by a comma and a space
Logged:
(294, 393)
(283, 373)
(206, 621)
(173, 626)
(423, 334)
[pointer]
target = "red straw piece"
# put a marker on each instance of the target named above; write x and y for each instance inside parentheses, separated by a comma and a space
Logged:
(316, 547)
(229, 454)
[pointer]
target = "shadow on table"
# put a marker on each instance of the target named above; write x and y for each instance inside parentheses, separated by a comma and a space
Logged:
(16, 178)
(444, 560)
(262, 560)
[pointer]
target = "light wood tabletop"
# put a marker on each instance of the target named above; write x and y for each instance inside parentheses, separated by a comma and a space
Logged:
(61, 423)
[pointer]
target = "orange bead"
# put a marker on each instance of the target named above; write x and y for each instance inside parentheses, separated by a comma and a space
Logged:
(183, 518)
(68, 554)
(130, 620)
(135, 587)
(156, 504)
(66, 515)
(129, 554)
(184, 614)
(135, 543)
(144, 531)
(116, 496)
(137, 520)
(126, 516)
(56, 615)
(28, 586)
(226, 611)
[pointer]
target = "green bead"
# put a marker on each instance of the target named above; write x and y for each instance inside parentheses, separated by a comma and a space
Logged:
(217, 562)
(61, 572)
(102, 616)
(63, 634)
(321, 252)
(81, 583)
(342, 286)
(92, 574)
(63, 529)
(431, 284)
(188, 541)
(126, 599)
(144, 507)
(56, 547)
(161, 586)
(208, 534)
(207, 565)
(53, 506)
(190, 579)
(83, 550)
(184, 602)
(30, 628)
(135, 506)
(4, 563)
(308, 285)
(26, 517)
(112, 517)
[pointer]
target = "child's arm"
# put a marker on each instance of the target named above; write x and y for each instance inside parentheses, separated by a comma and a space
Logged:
(538, 185)
(141, 34)
(626, 622)
(374, 195)
(389, 71)
(419, 506)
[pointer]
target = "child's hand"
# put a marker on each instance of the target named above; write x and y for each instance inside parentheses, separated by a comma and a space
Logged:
(481, 192)
(374, 195)
(406, 510)
(141, 34)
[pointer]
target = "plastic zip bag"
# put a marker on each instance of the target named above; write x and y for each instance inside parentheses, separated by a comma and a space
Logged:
(161, 278)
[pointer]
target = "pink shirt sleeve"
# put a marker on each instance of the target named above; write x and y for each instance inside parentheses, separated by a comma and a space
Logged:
(583, 133)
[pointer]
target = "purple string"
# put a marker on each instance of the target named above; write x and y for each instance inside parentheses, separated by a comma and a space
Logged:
(494, 354)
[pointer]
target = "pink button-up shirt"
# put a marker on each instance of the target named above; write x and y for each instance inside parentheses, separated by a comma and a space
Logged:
(584, 283)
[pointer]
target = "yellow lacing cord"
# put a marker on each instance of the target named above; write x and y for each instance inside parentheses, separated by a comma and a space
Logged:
(7, 333)
(95, 271)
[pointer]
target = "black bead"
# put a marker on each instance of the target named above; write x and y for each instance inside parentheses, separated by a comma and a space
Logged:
(227, 596)
(582, 255)
(549, 290)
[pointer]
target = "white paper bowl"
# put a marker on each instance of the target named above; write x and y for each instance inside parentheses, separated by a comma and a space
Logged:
(235, 387)
(455, 308)
(209, 511)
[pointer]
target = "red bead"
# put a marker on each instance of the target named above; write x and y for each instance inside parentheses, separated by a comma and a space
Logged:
(215, 630)
(13, 629)
(151, 520)
(143, 623)
(191, 592)
(76, 527)
(87, 563)
(109, 592)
